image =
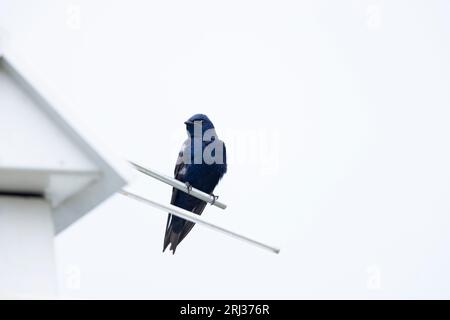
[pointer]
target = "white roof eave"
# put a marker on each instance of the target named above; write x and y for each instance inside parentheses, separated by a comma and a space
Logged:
(114, 172)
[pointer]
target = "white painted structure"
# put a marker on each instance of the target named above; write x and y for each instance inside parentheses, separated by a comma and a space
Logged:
(51, 174)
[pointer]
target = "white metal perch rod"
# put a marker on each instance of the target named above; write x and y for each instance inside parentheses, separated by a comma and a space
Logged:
(187, 215)
(180, 186)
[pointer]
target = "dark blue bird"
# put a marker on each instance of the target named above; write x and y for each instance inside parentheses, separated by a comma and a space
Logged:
(201, 164)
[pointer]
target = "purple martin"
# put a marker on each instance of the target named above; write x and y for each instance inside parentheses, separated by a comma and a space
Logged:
(201, 164)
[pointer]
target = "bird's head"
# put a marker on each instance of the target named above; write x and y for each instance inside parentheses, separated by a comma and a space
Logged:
(197, 122)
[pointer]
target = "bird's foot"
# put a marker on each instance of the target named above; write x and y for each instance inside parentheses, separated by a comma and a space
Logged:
(189, 187)
(214, 198)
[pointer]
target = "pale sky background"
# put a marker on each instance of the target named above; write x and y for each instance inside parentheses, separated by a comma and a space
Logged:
(336, 118)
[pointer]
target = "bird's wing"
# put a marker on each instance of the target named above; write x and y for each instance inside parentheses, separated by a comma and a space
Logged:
(189, 225)
(179, 175)
(180, 170)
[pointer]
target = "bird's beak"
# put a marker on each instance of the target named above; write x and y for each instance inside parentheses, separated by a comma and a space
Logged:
(188, 122)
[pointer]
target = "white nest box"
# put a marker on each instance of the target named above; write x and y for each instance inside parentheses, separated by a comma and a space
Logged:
(51, 174)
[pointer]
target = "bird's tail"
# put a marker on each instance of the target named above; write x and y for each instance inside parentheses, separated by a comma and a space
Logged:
(171, 237)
